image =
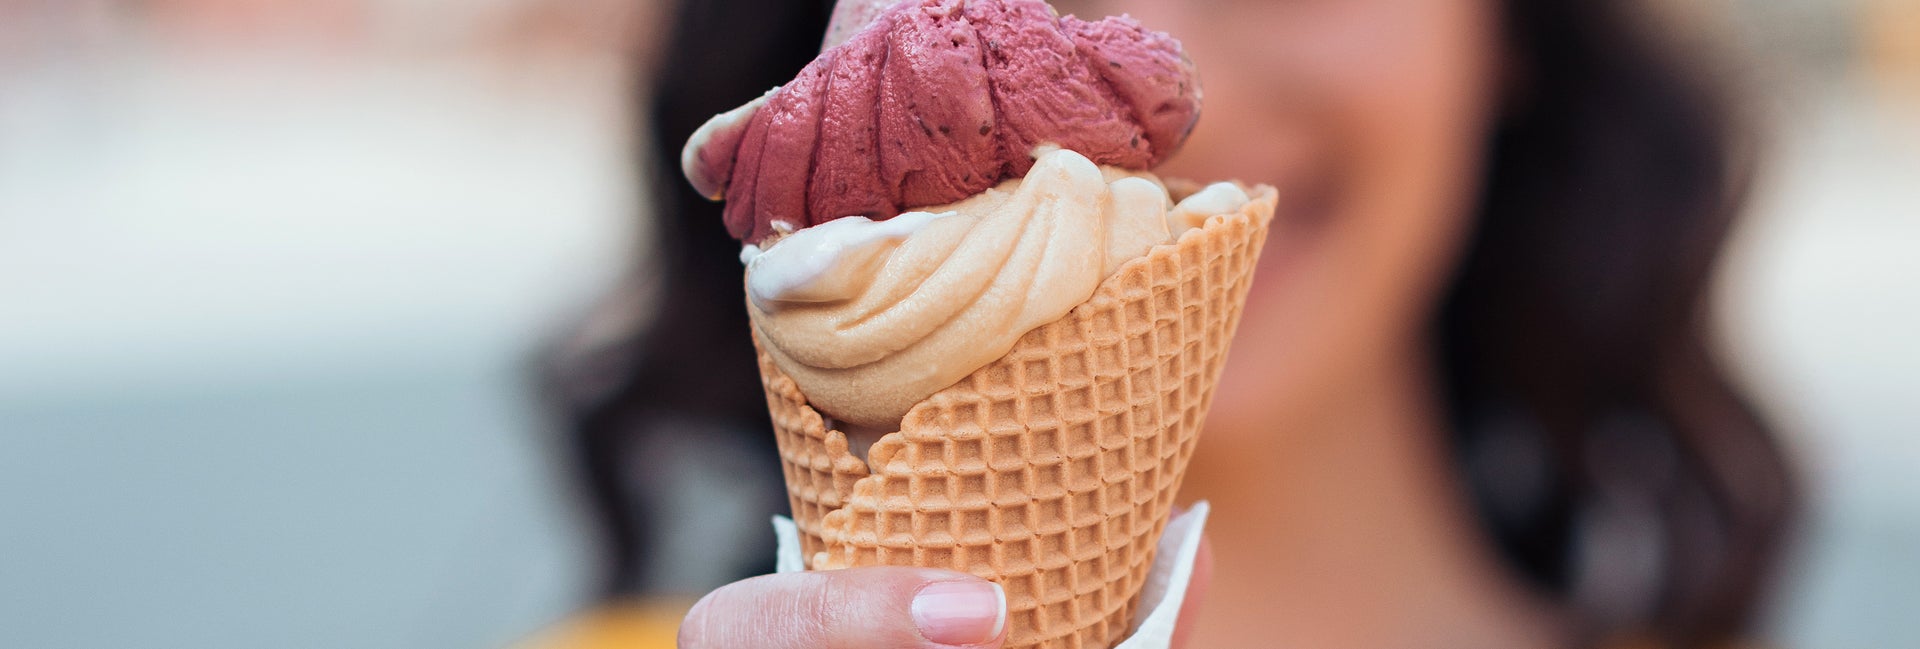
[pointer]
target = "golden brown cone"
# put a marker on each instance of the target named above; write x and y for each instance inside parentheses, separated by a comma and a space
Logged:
(1053, 469)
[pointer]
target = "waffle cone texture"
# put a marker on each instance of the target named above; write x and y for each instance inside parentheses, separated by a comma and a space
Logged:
(1052, 470)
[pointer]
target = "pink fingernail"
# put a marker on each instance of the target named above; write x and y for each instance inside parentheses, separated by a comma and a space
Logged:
(960, 612)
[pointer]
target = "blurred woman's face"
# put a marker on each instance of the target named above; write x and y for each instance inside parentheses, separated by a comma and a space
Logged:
(1370, 116)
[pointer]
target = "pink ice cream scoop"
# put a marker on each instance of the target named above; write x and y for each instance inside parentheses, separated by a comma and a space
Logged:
(937, 100)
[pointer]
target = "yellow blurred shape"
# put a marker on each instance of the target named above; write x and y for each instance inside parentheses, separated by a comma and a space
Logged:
(643, 624)
(1890, 47)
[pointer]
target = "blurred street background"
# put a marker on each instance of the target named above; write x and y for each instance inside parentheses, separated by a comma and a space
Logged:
(273, 274)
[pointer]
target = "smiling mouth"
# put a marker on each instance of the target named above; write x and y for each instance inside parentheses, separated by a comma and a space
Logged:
(1308, 204)
(1309, 198)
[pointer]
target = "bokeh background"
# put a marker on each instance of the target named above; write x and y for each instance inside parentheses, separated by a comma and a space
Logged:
(273, 274)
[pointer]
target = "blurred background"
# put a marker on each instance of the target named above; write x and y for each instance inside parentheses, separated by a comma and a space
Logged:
(272, 276)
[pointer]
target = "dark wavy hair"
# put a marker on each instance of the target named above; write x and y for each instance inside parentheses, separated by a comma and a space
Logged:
(1608, 455)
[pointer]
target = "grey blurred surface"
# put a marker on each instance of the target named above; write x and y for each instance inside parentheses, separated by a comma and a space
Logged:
(403, 510)
(267, 327)
(1821, 304)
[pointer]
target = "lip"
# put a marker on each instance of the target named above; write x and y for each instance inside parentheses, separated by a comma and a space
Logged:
(1308, 205)
(1307, 200)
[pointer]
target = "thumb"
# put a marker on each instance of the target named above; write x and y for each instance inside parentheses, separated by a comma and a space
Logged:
(908, 608)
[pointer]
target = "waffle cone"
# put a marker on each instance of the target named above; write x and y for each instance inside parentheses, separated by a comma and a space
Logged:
(1053, 469)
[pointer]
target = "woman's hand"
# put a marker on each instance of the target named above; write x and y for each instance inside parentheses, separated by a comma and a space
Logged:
(882, 608)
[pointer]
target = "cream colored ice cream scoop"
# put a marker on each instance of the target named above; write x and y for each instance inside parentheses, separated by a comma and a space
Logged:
(869, 318)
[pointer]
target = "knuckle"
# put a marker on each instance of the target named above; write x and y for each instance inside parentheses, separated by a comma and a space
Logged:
(770, 612)
(819, 605)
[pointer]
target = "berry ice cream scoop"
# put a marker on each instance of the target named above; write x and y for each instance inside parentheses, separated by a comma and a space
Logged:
(951, 176)
(938, 100)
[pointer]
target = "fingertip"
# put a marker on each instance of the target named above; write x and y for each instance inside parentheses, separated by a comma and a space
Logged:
(965, 612)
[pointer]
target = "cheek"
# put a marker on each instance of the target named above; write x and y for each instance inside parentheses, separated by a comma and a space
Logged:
(1379, 101)
(1398, 96)
(1373, 115)
(1370, 116)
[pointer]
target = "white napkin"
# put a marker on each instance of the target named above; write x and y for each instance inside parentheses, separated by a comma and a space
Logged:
(1160, 598)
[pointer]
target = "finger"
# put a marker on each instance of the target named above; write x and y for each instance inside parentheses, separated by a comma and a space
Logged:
(1196, 591)
(909, 608)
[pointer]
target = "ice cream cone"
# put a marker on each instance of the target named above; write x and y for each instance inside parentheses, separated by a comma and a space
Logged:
(1053, 469)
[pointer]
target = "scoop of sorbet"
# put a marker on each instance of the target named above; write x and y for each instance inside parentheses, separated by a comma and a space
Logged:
(937, 100)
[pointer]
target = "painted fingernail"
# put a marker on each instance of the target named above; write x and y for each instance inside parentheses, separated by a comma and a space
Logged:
(960, 612)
